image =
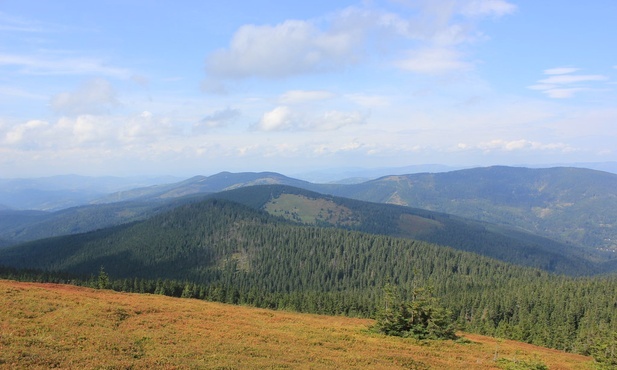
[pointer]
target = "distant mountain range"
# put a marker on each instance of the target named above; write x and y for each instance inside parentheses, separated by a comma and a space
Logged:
(572, 205)
(568, 212)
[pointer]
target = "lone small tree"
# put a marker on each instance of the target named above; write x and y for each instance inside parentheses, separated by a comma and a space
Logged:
(103, 279)
(422, 318)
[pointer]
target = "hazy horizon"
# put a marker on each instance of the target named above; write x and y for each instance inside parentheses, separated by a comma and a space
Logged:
(122, 88)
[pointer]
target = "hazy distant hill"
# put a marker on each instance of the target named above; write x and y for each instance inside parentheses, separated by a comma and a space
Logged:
(205, 184)
(59, 192)
(574, 205)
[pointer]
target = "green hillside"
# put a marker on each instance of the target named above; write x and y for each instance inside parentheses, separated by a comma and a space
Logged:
(503, 243)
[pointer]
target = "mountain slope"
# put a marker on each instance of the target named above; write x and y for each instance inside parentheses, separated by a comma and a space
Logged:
(21, 226)
(60, 326)
(498, 242)
(572, 205)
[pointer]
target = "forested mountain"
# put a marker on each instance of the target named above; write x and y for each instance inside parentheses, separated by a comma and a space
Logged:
(573, 205)
(307, 207)
(21, 226)
(503, 243)
(225, 251)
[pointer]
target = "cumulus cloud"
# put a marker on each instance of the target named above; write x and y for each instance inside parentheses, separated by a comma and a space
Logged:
(90, 131)
(93, 97)
(65, 133)
(290, 48)
(280, 118)
(147, 128)
(342, 39)
(562, 83)
(25, 134)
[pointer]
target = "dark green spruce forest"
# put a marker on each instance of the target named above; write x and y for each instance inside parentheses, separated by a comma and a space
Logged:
(229, 252)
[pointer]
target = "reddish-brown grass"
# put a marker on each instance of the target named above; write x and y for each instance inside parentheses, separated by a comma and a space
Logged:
(62, 326)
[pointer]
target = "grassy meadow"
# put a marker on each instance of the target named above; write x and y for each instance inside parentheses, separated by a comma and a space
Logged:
(46, 326)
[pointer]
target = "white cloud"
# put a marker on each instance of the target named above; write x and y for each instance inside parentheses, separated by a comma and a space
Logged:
(147, 128)
(333, 120)
(93, 97)
(90, 131)
(568, 79)
(517, 145)
(369, 101)
(352, 145)
(563, 84)
(558, 93)
(20, 134)
(346, 37)
(560, 70)
(46, 64)
(483, 8)
(283, 118)
(280, 118)
(302, 96)
(434, 61)
(65, 133)
(442, 28)
(290, 48)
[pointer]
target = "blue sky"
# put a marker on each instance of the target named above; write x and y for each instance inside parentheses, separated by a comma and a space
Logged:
(191, 87)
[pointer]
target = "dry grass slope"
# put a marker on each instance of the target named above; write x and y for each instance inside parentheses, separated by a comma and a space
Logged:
(60, 326)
